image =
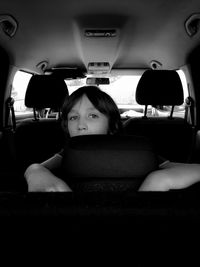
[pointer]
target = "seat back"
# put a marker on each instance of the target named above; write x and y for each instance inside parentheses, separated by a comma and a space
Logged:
(36, 138)
(172, 136)
(45, 91)
(159, 88)
(108, 163)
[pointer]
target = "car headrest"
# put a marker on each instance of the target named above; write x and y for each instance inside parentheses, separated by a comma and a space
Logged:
(159, 87)
(45, 91)
(108, 161)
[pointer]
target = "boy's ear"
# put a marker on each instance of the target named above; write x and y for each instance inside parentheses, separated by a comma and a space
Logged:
(111, 132)
(115, 130)
(64, 125)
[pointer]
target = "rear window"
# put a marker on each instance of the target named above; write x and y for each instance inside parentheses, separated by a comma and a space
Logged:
(121, 89)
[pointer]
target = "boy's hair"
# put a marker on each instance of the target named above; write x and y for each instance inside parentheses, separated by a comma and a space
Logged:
(100, 100)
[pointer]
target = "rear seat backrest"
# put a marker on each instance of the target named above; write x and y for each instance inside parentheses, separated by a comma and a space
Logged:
(172, 136)
(38, 139)
(121, 163)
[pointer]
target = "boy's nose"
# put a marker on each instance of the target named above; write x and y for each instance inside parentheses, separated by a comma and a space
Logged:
(82, 125)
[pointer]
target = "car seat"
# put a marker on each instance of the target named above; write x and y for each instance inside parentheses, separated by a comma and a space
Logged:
(107, 162)
(172, 136)
(37, 138)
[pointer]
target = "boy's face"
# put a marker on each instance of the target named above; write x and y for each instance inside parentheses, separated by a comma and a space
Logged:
(84, 119)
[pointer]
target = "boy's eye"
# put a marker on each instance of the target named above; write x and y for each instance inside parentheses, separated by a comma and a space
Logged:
(93, 116)
(73, 118)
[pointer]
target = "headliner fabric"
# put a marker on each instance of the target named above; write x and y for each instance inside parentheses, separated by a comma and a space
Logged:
(108, 162)
(45, 91)
(159, 87)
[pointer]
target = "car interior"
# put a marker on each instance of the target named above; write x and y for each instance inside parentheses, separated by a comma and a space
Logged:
(145, 55)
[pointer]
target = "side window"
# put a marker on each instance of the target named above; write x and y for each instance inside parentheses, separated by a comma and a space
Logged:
(19, 86)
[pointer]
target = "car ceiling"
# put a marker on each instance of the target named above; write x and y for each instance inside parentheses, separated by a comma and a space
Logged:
(53, 31)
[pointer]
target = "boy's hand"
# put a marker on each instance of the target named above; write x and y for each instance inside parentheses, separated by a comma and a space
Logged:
(40, 179)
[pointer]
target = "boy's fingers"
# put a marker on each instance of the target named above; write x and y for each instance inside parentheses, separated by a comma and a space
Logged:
(51, 189)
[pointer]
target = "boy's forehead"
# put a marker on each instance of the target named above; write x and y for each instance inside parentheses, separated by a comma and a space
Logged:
(84, 103)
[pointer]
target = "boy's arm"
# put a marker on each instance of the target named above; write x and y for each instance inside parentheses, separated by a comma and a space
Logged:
(172, 176)
(52, 163)
(40, 178)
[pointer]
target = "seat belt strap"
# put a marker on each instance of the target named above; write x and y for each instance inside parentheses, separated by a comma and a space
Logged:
(189, 112)
(10, 111)
(189, 116)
